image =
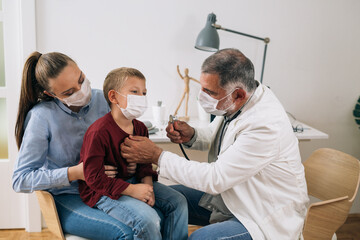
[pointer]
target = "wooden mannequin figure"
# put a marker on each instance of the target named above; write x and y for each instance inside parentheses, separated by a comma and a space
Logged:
(186, 79)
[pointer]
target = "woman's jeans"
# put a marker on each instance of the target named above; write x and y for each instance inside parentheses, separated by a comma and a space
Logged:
(230, 229)
(79, 219)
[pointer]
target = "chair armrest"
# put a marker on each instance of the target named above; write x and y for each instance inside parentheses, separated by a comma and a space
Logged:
(328, 201)
(324, 218)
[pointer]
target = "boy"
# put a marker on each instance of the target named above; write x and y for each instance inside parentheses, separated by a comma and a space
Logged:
(135, 200)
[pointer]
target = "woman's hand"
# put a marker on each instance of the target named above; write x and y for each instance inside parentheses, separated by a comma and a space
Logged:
(131, 168)
(111, 171)
(76, 172)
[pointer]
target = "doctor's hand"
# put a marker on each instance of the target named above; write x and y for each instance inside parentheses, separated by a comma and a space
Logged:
(179, 132)
(138, 149)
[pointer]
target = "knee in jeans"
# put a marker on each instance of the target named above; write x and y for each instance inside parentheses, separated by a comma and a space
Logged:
(196, 235)
(181, 202)
(150, 222)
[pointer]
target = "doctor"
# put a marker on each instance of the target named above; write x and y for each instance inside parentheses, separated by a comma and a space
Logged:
(253, 186)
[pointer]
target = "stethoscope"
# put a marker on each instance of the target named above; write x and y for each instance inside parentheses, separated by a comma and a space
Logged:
(171, 120)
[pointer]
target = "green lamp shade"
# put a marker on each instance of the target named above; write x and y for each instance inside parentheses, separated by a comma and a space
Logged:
(208, 38)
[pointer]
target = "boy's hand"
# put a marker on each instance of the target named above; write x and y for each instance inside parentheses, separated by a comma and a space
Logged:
(140, 191)
(151, 201)
(148, 180)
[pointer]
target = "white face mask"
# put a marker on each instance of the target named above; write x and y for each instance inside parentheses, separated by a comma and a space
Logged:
(209, 104)
(81, 97)
(136, 106)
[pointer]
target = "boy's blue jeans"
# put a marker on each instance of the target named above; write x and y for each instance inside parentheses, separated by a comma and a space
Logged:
(230, 229)
(79, 219)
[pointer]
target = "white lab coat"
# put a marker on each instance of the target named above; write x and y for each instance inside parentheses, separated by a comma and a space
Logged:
(258, 173)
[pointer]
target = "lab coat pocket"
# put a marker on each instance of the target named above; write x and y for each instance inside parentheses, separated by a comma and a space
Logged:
(284, 223)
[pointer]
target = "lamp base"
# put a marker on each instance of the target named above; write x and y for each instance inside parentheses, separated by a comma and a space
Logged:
(184, 118)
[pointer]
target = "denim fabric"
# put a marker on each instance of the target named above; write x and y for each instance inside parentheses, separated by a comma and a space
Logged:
(197, 215)
(230, 229)
(170, 211)
(174, 208)
(81, 220)
(134, 213)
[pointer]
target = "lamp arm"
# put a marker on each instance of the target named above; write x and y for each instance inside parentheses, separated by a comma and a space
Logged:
(266, 40)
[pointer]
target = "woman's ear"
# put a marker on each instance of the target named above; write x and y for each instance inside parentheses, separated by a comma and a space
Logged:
(49, 94)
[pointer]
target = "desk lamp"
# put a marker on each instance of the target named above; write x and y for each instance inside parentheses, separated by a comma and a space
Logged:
(208, 38)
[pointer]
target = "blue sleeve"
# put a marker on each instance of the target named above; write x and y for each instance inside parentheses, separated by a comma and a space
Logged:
(30, 171)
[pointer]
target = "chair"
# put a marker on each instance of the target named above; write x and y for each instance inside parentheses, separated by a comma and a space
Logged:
(333, 177)
(50, 214)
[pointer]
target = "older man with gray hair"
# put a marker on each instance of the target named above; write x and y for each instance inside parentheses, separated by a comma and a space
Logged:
(253, 186)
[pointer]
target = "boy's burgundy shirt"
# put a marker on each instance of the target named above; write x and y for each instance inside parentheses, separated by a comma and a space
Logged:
(101, 146)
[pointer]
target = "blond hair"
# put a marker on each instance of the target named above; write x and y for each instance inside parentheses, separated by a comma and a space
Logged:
(116, 79)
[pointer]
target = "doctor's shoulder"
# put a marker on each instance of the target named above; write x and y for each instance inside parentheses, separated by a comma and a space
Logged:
(257, 119)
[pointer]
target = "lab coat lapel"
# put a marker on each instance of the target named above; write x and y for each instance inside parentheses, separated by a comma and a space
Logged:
(234, 127)
(229, 137)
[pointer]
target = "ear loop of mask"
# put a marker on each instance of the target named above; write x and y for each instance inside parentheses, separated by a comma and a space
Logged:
(120, 95)
(226, 97)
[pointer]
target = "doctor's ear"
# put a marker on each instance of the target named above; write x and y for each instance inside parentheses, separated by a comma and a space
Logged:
(240, 94)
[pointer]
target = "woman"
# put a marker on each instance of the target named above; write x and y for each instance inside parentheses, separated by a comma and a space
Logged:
(56, 107)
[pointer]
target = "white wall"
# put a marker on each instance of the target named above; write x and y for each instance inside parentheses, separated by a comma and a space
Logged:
(312, 62)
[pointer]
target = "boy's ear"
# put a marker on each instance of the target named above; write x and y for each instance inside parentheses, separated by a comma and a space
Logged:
(111, 96)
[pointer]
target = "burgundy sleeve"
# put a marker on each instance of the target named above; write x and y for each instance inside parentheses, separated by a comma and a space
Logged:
(144, 170)
(93, 154)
